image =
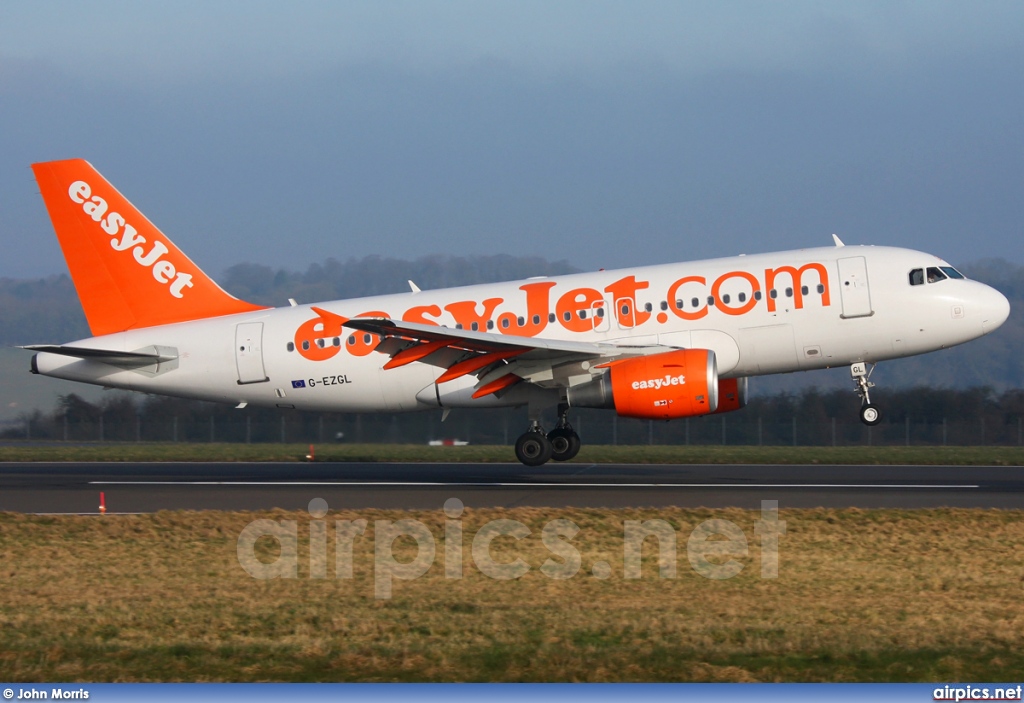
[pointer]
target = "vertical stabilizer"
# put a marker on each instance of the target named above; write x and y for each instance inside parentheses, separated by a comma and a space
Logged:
(127, 273)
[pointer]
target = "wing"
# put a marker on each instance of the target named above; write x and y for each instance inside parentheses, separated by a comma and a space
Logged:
(499, 361)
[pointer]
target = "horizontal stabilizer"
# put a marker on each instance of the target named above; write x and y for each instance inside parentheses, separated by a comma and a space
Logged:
(107, 355)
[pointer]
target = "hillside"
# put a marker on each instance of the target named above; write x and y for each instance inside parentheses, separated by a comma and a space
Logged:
(47, 310)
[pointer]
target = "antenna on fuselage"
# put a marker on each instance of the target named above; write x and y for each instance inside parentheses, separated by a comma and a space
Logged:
(837, 240)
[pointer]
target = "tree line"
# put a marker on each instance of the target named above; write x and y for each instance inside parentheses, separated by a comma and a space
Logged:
(46, 310)
(919, 415)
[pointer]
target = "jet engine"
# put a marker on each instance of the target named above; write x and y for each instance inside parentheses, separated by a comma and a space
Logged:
(732, 394)
(681, 383)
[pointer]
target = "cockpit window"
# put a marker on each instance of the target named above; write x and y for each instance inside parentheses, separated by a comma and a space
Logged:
(917, 277)
(935, 275)
(951, 272)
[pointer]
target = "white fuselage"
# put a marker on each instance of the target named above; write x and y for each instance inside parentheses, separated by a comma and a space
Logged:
(760, 314)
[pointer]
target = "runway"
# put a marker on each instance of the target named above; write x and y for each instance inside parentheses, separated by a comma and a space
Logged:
(148, 487)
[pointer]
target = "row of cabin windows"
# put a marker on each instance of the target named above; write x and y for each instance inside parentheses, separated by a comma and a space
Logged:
(336, 342)
(742, 297)
(599, 312)
(934, 274)
(521, 321)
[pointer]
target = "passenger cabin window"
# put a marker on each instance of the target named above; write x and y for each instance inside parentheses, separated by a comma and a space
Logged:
(917, 277)
(935, 275)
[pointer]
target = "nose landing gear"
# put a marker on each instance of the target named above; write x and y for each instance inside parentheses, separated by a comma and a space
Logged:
(861, 374)
(534, 447)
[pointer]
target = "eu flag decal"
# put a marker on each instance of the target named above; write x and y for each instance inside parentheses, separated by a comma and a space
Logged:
(298, 384)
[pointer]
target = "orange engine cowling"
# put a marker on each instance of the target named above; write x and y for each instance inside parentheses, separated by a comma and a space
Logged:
(732, 394)
(674, 384)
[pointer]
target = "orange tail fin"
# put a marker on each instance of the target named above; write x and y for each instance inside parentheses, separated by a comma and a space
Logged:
(126, 272)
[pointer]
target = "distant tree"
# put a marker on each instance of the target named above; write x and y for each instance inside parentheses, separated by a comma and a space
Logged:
(45, 310)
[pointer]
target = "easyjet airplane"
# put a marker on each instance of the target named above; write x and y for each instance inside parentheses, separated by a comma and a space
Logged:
(659, 342)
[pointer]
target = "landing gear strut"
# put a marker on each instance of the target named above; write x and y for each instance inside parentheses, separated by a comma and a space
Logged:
(565, 443)
(534, 447)
(861, 374)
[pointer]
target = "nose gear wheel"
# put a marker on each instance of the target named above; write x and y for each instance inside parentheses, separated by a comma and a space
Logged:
(870, 415)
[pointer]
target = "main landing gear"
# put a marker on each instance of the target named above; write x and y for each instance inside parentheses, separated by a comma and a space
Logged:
(534, 447)
(565, 443)
(861, 374)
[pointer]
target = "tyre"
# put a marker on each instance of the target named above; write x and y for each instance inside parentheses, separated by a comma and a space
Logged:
(533, 448)
(565, 443)
(870, 415)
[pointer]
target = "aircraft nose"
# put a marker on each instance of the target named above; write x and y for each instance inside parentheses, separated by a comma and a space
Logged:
(994, 309)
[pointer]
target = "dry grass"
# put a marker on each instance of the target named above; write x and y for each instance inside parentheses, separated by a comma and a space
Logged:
(862, 596)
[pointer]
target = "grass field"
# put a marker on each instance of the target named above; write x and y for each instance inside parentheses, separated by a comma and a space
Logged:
(697, 454)
(879, 595)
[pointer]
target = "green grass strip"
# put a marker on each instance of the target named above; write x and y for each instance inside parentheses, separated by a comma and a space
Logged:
(591, 454)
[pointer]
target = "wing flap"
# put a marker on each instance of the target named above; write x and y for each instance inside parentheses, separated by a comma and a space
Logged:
(498, 361)
(474, 341)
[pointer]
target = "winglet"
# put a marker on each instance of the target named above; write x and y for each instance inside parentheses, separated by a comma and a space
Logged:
(127, 273)
(837, 240)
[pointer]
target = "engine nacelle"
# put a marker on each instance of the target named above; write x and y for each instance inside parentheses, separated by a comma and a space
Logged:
(674, 384)
(732, 394)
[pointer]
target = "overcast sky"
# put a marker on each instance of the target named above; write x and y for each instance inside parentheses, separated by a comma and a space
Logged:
(606, 134)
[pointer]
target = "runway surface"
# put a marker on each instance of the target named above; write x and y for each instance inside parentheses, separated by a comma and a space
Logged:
(147, 487)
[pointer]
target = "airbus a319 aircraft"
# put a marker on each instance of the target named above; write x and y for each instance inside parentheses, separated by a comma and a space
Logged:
(657, 342)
